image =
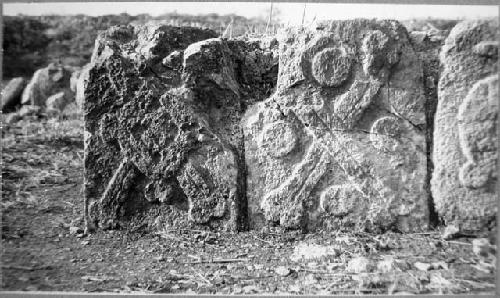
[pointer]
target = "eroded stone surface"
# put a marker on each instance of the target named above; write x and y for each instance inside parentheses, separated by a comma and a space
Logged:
(59, 100)
(465, 137)
(176, 117)
(46, 82)
(162, 109)
(11, 94)
(342, 142)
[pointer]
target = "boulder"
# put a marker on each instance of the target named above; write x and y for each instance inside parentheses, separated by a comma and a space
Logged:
(11, 94)
(342, 142)
(59, 100)
(45, 82)
(162, 108)
(464, 181)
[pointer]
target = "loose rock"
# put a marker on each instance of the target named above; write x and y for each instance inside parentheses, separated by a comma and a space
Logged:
(11, 94)
(282, 270)
(75, 230)
(422, 266)
(46, 82)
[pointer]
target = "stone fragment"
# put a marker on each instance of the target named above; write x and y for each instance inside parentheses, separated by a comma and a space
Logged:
(439, 265)
(59, 101)
(464, 181)
(45, 82)
(29, 110)
(162, 108)
(11, 94)
(450, 232)
(481, 247)
(342, 142)
(282, 270)
(12, 118)
(75, 230)
(422, 266)
(305, 251)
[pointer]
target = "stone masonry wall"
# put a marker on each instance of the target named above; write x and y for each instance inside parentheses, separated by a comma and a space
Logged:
(326, 128)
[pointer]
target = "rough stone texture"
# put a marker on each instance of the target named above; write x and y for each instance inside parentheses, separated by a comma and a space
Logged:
(80, 83)
(464, 180)
(59, 100)
(29, 110)
(162, 110)
(73, 80)
(46, 82)
(342, 143)
(11, 94)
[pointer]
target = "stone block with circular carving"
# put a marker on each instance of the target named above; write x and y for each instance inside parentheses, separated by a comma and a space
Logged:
(331, 66)
(464, 181)
(341, 144)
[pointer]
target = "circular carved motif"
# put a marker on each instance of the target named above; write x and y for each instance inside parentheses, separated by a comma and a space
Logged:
(385, 133)
(279, 139)
(331, 67)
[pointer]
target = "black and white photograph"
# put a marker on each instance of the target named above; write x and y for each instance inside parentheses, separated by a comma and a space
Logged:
(249, 148)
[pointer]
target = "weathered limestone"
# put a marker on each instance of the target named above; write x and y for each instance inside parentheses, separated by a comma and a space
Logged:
(11, 94)
(59, 101)
(464, 181)
(46, 82)
(342, 142)
(162, 110)
(337, 134)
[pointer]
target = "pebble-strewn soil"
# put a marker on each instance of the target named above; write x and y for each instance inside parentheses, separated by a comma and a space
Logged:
(43, 248)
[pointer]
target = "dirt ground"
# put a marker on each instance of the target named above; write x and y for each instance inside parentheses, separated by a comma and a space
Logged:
(42, 202)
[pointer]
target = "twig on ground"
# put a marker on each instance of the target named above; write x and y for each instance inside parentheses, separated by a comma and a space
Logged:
(476, 284)
(186, 230)
(203, 278)
(424, 233)
(194, 257)
(265, 241)
(26, 268)
(217, 261)
(457, 242)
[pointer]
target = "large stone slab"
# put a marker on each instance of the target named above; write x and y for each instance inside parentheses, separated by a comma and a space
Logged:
(342, 142)
(162, 108)
(464, 182)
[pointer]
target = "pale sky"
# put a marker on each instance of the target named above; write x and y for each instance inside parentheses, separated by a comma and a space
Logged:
(289, 12)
